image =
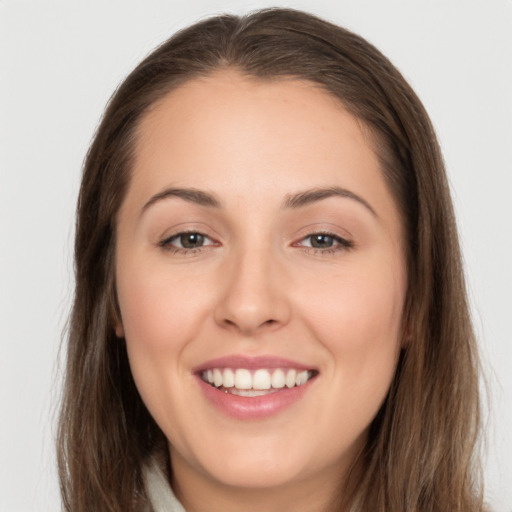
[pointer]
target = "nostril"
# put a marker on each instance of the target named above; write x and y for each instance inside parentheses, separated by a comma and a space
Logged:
(248, 327)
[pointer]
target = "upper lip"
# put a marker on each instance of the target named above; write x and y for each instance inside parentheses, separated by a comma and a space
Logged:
(251, 363)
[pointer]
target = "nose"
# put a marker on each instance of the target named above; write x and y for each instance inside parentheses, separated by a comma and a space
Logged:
(253, 297)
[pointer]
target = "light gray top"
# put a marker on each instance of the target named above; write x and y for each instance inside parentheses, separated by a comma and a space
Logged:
(159, 491)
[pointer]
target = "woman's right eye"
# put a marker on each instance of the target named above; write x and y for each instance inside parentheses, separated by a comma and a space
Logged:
(186, 241)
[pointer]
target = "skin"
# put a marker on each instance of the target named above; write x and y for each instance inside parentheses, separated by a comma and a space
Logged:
(257, 287)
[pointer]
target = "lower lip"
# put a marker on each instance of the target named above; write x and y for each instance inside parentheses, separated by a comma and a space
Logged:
(255, 407)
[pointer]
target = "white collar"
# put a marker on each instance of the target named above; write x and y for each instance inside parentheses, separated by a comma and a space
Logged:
(159, 491)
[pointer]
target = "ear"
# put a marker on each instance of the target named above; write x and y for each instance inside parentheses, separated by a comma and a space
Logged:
(119, 329)
(115, 316)
(407, 331)
(407, 335)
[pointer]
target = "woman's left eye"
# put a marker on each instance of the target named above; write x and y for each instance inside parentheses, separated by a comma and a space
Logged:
(186, 241)
(325, 242)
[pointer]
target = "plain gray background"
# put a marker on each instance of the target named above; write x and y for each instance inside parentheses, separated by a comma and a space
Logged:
(59, 63)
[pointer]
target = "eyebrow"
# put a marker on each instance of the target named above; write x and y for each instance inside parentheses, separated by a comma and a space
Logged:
(318, 194)
(191, 195)
(298, 200)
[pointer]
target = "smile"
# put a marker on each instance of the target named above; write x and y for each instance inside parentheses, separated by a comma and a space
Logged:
(254, 388)
(257, 382)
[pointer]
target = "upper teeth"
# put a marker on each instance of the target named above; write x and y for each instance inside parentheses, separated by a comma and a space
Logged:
(260, 379)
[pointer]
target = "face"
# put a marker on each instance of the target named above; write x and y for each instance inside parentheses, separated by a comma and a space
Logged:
(261, 280)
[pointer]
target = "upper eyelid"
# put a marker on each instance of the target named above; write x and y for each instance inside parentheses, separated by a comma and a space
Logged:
(312, 231)
(184, 228)
(326, 228)
(324, 233)
(185, 232)
(341, 240)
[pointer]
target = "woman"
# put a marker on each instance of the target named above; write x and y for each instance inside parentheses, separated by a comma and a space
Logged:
(270, 310)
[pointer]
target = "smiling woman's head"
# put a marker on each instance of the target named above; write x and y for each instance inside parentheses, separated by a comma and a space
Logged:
(264, 211)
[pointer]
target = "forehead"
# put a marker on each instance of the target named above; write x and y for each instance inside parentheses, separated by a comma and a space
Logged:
(231, 134)
(230, 115)
(227, 99)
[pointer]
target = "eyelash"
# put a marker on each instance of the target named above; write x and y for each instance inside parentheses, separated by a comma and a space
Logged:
(339, 243)
(166, 244)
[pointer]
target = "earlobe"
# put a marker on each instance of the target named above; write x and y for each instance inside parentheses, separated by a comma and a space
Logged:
(116, 321)
(115, 313)
(119, 329)
(408, 335)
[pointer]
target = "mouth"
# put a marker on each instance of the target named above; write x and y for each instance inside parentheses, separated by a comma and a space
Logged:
(257, 381)
(254, 388)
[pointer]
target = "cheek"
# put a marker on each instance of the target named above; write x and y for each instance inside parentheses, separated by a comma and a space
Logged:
(357, 311)
(357, 315)
(160, 315)
(158, 309)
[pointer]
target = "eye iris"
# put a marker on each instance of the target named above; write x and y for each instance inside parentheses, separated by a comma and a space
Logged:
(191, 240)
(321, 241)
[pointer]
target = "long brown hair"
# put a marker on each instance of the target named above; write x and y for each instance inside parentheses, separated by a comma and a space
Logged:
(420, 454)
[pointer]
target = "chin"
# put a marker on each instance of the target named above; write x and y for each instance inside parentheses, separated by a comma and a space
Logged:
(256, 474)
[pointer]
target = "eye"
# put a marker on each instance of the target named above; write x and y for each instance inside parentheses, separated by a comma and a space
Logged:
(187, 240)
(325, 242)
(320, 241)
